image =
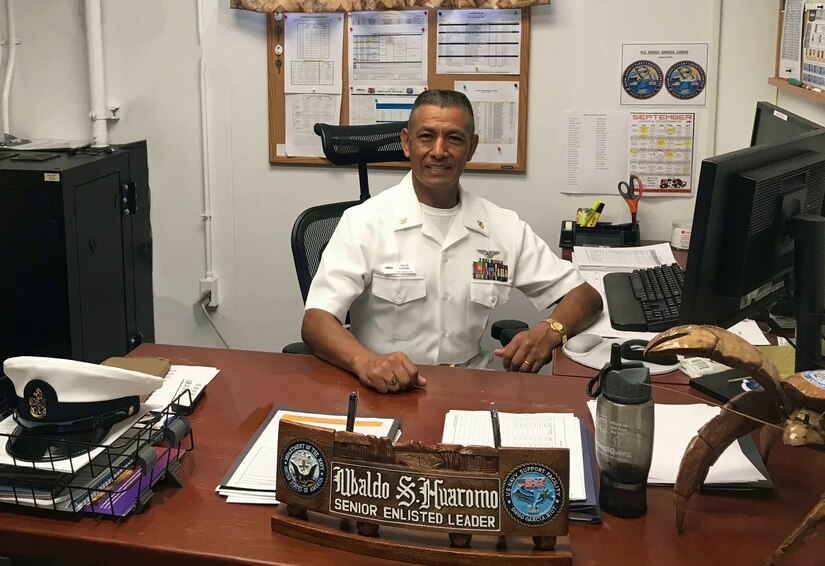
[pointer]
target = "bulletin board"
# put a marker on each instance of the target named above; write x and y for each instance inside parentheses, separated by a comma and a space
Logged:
(277, 101)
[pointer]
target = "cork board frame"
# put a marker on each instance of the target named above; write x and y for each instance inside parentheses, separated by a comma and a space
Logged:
(277, 101)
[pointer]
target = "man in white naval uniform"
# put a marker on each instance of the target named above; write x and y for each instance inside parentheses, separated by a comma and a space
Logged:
(421, 265)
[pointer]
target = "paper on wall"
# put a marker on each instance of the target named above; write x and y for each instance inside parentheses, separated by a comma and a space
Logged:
(313, 54)
(388, 48)
(495, 107)
(596, 152)
(303, 111)
(664, 74)
(378, 104)
(660, 152)
(479, 42)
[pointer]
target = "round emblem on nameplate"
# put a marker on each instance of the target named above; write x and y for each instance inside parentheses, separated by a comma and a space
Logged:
(303, 467)
(533, 494)
(642, 79)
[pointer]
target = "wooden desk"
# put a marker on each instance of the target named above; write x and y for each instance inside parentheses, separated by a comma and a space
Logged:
(193, 525)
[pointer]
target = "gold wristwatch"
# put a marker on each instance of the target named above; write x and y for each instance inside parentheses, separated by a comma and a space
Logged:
(558, 327)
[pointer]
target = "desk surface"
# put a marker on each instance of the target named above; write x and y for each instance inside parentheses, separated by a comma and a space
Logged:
(194, 524)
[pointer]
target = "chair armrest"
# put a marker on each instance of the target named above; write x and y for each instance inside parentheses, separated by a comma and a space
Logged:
(298, 348)
(506, 330)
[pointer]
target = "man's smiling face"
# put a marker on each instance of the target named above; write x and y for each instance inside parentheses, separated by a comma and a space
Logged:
(439, 142)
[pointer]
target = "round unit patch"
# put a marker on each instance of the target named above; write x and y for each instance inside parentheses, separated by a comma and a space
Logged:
(533, 494)
(816, 376)
(642, 79)
(685, 80)
(303, 467)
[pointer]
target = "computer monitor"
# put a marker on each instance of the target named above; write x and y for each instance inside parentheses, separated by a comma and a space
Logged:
(773, 124)
(758, 220)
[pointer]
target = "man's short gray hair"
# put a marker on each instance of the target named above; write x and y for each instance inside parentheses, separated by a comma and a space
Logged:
(444, 99)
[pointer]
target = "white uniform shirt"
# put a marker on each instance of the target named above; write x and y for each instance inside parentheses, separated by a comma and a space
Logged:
(410, 290)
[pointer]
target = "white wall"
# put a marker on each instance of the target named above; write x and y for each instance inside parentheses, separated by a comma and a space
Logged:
(152, 57)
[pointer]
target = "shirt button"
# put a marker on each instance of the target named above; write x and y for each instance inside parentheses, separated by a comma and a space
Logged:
(445, 259)
(443, 333)
(445, 296)
(493, 300)
(398, 297)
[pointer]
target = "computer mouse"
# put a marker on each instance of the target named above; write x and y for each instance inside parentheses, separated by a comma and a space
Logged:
(583, 343)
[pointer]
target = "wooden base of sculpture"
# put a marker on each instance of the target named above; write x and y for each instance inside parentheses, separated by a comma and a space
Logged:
(423, 547)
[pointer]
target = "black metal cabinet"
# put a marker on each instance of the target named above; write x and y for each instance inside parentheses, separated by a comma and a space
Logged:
(76, 255)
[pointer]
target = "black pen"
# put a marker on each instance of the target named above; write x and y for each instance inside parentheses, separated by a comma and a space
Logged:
(496, 429)
(351, 410)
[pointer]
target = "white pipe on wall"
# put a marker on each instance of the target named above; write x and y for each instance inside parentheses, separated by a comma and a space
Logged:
(207, 187)
(97, 84)
(13, 41)
(2, 49)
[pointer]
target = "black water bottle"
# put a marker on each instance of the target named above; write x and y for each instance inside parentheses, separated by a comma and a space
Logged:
(624, 440)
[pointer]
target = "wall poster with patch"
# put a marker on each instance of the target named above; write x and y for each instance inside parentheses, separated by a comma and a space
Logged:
(664, 74)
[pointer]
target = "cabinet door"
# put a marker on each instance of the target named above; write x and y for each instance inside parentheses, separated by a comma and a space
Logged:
(101, 268)
(34, 303)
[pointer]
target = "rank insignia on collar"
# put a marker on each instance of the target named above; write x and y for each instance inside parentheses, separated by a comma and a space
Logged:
(480, 224)
(403, 221)
(489, 254)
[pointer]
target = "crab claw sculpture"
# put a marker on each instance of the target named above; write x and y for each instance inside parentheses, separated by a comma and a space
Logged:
(796, 404)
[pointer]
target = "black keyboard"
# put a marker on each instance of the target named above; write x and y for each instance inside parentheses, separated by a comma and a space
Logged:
(645, 300)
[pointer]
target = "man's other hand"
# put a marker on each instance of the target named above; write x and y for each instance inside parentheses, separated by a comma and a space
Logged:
(390, 373)
(528, 351)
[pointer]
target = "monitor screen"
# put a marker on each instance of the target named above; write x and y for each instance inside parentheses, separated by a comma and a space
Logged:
(772, 124)
(741, 252)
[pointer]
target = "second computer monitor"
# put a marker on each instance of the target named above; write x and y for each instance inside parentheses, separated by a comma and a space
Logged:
(773, 124)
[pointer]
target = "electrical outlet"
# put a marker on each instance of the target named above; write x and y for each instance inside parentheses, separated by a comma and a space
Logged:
(210, 285)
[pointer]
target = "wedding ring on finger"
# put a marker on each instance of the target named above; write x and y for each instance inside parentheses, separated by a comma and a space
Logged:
(526, 363)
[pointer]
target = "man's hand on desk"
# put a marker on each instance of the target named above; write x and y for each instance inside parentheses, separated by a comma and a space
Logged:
(528, 351)
(390, 373)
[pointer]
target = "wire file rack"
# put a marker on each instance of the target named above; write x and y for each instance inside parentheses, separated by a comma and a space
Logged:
(113, 479)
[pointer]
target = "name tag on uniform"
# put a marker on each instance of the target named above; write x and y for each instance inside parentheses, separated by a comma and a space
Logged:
(399, 269)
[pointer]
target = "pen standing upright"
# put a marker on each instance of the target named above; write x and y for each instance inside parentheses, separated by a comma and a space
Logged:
(352, 409)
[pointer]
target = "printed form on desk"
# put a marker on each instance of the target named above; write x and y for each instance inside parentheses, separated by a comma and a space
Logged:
(528, 430)
(251, 479)
(622, 259)
(674, 427)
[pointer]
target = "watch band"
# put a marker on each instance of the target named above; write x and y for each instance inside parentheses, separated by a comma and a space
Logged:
(557, 327)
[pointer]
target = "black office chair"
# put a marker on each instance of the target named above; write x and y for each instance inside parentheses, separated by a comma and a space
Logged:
(342, 145)
(362, 145)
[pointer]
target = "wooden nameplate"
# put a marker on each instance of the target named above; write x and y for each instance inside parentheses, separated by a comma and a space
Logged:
(429, 500)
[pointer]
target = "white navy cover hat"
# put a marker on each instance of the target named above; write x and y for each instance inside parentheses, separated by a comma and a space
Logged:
(64, 406)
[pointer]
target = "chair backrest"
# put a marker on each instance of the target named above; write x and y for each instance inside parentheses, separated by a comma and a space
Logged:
(310, 235)
(343, 145)
(360, 145)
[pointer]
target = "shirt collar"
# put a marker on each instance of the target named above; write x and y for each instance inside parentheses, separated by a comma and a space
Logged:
(407, 210)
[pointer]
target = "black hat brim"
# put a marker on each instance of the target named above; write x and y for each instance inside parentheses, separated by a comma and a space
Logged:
(27, 444)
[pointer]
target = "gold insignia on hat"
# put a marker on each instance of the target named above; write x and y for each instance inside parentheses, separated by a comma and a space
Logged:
(37, 404)
(489, 254)
(480, 224)
(403, 221)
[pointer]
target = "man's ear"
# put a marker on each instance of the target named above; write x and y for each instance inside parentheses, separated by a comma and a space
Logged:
(405, 141)
(473, 146)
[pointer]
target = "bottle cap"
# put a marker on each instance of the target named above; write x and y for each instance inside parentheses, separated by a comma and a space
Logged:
(629, 386)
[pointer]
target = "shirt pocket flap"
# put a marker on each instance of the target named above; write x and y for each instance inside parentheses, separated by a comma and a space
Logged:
(488, 293)
(398, 290)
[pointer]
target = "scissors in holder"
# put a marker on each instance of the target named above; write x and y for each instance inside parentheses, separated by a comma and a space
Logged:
(631, 193)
